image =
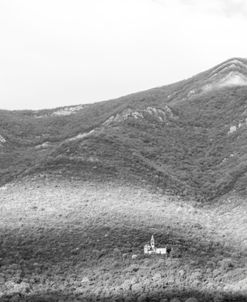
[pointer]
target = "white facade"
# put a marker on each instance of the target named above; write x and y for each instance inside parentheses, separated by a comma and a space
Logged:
(150, 248)
(161, 251)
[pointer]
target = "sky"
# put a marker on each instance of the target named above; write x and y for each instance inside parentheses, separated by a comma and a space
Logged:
(66, 52)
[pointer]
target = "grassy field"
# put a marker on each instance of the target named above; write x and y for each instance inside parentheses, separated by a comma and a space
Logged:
(64, 240)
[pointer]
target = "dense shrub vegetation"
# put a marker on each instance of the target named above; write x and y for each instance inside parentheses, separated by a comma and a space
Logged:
(192, 153)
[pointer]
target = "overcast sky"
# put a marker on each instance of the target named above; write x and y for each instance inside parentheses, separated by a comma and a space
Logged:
(63, 52)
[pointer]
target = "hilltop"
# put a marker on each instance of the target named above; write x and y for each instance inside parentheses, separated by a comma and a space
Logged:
(188, 138)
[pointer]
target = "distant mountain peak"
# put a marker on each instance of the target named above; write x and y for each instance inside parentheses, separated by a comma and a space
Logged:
(230, 73)
(231, 66)
(234, 62)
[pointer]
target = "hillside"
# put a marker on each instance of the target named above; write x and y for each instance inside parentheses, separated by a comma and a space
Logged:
(83, 188)
(187, 138)
(73, 241)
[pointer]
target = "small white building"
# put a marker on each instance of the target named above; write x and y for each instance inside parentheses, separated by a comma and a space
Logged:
(150, 248)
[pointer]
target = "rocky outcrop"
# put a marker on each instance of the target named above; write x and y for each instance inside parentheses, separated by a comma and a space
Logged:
(64, 111)
(68, 110)
(2, 140)
(80, 136)
(157, 114)
(231, 73)
(240, 124)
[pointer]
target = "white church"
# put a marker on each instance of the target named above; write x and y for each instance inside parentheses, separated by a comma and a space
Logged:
(150, 248)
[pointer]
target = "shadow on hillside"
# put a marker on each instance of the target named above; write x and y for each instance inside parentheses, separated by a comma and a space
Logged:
(77, 245)
(152, 295)
(52, 259)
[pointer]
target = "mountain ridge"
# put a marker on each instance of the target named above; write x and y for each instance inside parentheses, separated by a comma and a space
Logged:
(187, 137)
